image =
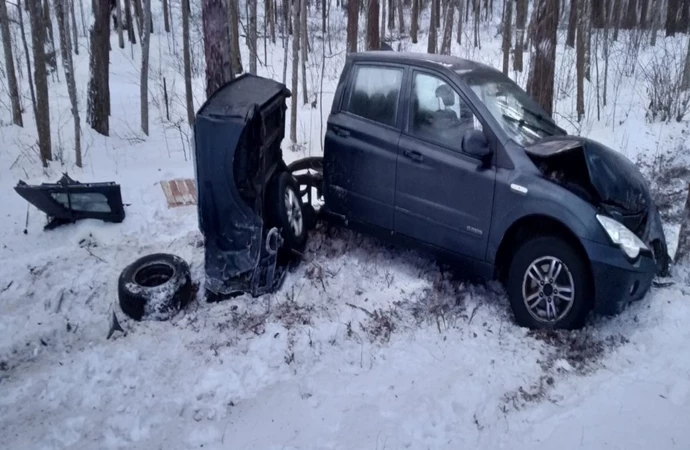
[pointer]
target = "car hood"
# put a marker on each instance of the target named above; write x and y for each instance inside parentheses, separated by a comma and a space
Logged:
(618, 184)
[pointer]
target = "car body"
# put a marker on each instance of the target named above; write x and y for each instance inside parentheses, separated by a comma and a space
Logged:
(490, 180)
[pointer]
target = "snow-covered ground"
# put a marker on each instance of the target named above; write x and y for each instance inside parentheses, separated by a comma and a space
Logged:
(365, 346)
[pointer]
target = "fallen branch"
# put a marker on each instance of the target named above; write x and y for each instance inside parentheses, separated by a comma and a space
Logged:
(368, 313)
(95, 256)
(7, 287)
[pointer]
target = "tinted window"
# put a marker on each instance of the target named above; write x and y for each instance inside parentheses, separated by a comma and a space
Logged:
(375, 92)
(90, 202)
(438, 113)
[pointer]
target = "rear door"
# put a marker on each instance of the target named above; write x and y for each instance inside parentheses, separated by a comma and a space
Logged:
(361, 145)
(444, 196)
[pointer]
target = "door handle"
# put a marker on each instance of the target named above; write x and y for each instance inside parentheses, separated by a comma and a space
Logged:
(414, 156)
(341, 132)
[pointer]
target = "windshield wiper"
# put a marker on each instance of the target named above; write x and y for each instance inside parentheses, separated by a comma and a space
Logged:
(541, 118)
(523, 123)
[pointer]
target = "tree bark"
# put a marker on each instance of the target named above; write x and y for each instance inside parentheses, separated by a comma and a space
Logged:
(599, 19)
(520, 22)
(216, 44)
(507, 34)
(683, 250)
(9, 65)
(68, 66)
(448, 28)
(543, 57)
(459, 35)
(352, 17)
(304, 47)
(391, 14)
(414, 25)
(295, 68)
(572, 24)
(437, 17)
(38, 29)
(120, 34)
(431, 44)
(630, 19)
(144, 84)
(51, 54)
(130, 24)
(28, 58)
(234, 32)
(139, 14)
(401, 17)
(383, 21)
(272, 21)
(580, 59)
(189, 100)
(166, 16)
(98, 101)
(75, 38)
(253, 40)
(373, 25)
(477, 14)
(685, 84)
(616, 18)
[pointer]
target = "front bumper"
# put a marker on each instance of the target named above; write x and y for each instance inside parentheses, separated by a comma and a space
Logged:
(617, 280)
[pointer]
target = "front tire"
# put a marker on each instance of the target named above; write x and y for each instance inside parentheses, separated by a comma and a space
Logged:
(549, 285)
(288, 211)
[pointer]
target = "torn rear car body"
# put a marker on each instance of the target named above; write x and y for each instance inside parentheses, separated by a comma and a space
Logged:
(607, 180)
(237, 136)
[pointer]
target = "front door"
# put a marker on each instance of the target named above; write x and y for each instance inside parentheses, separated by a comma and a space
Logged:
(444, 196)
(361, 146)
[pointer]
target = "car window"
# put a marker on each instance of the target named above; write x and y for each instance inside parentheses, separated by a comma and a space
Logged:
(375, 92)
(438, 114)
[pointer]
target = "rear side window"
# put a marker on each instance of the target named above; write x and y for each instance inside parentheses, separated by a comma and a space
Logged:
(374, 94)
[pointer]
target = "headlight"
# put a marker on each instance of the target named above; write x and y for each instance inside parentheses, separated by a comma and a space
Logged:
(621, 236)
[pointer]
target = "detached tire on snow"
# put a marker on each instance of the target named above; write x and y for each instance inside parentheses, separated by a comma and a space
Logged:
(287, 212)
(155, 287)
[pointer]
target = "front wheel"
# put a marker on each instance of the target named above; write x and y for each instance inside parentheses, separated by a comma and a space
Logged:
(288, 211)
(549, 285)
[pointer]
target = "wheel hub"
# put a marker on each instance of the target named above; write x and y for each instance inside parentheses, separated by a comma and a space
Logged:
(548, 289)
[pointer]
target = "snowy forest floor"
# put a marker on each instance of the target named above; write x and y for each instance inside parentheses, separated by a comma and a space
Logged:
(365, 346)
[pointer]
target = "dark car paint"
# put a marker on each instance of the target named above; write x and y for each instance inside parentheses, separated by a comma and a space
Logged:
(451, 203)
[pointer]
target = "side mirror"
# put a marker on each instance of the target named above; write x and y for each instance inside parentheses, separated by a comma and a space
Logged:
(475, 143)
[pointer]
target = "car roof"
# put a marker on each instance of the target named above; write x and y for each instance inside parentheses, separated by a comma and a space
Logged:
(423, 59)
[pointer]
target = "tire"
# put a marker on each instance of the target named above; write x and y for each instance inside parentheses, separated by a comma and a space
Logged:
(290, 221)
(663, 260)
(538, 254)
(155, 287)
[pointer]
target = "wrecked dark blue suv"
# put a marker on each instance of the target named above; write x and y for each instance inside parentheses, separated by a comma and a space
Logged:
(454, 156)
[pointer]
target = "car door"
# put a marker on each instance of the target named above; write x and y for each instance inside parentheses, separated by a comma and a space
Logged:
(444, 196)
(361, 146)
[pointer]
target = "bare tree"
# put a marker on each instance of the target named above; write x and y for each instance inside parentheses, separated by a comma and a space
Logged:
(391, 14)
(98, 99)
(41, 79)
(144, 84)
(270, 12)
(431, 44)
(187, 63)
(414, 25)
(629, 20)
(401, 17)
(672, 8)
(507, 34)
(383, 21)
(572, 24)
(9, 65)
(683, 250)
(216, 44)
(520, 23)
(543, 57)
(580, 57)
(352, 17)
(68, 66)
(51, 54)
(75, 38)
(166, 16)
(373, 25)
(28, 58)
(129, 21)
(437, 18)
(295, 69)
(304, 48)
(120, 34)
(685, 84)
(448, 28)
(234, 32)
(252, 37)
(459, 36)
(477, 12)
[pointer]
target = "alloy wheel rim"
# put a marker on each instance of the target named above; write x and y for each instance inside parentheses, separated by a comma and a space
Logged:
(548, 289)
(294, 212)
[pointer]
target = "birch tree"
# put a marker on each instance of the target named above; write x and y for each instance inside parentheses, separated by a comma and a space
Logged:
(187, 63)
(68, 67)
(543, 57)
(98, 100)
(144, 84)
(214, 16)
(9, 65)
(41, 79)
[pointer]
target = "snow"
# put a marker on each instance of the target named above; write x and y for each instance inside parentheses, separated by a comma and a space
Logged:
(365, 346)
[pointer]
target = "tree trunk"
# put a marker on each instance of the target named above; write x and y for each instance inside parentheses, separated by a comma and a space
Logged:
(599, 19)
(414, 25)
(138, 13)
(616, 18)
(9, 65)
(216, 44)
(187, 63)
(38, 29)
(683, 250)
(51, 54)
(448, 28)
(572, 24)
(655, 15)
(68, 66)
(437, 17)
(459, 35)
(28, 58)
(295, 67)
(683, 23)
(98, 100)
(520, 22)
(383, 20)
(166, 16)
(391, 14)
(507, 34)
(130, 24)
(120, 34)
(542, 62)
(304, 47)
(253, 39)
(373, 25)
(83, 18)
(686, 71)
(401, 17)
(272, 21)
(606, 50)
(588, 38)
(580, 58)
(644, 6)
(431, 44)
(352, 17)
(477, 14)
(234, 32)
(630, 19)
(144, 85)
(75, 38)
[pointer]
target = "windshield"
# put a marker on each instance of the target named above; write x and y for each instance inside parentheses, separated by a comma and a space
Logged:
(521, 117)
